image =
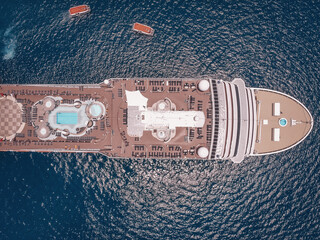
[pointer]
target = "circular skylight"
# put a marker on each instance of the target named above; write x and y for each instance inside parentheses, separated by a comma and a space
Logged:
(283, 122)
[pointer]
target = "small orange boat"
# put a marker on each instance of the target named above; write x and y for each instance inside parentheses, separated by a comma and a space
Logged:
(138, 27)
(79, 10)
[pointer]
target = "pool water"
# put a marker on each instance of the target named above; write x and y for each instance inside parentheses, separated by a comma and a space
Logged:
(283, 122)
(69, 118)
(95, 110)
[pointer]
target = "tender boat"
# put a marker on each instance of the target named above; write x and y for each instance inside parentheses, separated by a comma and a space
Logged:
(144, 29)
(74, 11)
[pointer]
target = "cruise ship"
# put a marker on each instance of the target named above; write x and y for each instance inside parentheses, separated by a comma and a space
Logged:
(156, 118)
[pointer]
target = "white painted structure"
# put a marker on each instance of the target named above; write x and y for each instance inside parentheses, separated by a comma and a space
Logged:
(237, 118)
(276, 134)
(141, 118)
(203, 152)
(276, 109)
(204, 85)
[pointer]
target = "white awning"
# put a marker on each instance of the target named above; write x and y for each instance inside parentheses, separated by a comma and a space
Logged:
(276, 109)
(276, 134)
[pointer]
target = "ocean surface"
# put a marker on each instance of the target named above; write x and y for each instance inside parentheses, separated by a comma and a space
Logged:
(270, 44)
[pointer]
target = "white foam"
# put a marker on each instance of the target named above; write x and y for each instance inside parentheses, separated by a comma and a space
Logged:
(10, 43)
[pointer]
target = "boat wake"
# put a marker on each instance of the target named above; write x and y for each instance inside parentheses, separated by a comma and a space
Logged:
(10, 44)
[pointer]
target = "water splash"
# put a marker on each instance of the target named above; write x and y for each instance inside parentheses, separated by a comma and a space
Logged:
(10, 42)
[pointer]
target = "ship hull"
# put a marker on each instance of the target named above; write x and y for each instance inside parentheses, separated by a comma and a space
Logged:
(150, 118)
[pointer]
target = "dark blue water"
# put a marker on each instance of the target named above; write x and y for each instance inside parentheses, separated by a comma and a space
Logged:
(270, 44)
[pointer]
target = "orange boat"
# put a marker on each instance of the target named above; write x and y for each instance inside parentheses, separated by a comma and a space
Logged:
(79, 10)
(138, 27)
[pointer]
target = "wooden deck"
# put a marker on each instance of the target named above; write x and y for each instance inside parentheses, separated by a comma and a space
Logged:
(109, 136)
(298, 118)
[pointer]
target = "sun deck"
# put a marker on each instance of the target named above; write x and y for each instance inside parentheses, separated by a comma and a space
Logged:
(99, 118)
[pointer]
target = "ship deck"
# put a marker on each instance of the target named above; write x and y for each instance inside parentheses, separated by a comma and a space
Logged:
(109, 134)
(297, 118)
(151, 118)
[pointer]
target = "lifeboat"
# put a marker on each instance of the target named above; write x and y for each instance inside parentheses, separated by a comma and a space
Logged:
(144, 29)
(74, 11)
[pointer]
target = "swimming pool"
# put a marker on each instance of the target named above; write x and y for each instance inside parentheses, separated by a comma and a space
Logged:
(95, 110)
(69, 118)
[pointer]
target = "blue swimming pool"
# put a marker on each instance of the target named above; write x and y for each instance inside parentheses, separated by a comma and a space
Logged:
(69, 118)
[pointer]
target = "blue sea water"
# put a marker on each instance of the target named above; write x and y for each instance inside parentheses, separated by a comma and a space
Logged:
(270, 44)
